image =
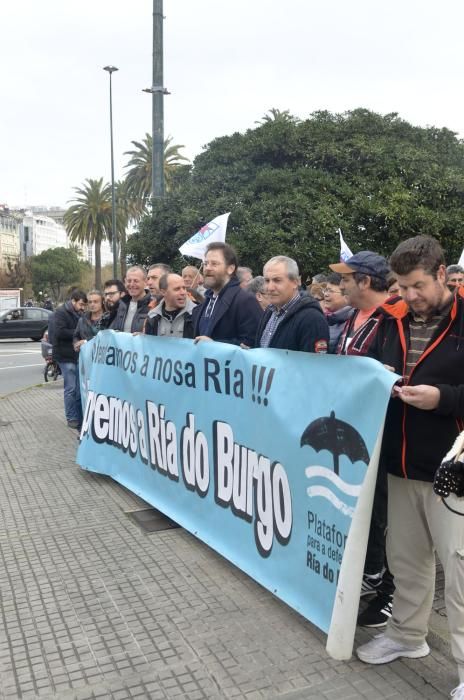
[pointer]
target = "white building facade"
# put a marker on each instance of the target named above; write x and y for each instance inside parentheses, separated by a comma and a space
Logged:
(84, 251)
(10, 225)
(39, 233)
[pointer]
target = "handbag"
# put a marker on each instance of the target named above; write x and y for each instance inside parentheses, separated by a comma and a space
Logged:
(449, 477)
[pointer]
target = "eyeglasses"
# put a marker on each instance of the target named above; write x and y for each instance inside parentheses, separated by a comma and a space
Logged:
(110, 294)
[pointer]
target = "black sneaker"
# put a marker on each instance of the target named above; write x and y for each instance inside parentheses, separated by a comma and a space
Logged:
(371, 584)
(73, 423)
(377, 612)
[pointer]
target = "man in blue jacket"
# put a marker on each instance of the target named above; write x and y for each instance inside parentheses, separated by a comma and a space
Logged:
(228, 314)
(291, 322)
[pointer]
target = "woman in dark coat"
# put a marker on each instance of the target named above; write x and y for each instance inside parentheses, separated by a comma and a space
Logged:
(90, 323)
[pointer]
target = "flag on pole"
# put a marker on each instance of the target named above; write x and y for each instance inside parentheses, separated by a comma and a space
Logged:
(215, 230)
(345, 252)
(461, 259)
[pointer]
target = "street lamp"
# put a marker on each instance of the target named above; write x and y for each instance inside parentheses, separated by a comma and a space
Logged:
(111, 70)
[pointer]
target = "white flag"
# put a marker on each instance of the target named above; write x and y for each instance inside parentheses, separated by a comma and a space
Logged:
(461, 259)
(345, 252)
(196, 246)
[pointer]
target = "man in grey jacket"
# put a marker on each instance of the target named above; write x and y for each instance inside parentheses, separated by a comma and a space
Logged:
(172, 317)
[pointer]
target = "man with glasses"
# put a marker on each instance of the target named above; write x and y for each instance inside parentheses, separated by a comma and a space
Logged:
(113, 291)
(228, 314)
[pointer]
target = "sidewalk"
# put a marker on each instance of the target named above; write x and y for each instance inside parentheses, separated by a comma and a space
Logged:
(94, 607)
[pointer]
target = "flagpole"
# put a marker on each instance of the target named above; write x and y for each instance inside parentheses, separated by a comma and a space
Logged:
(198, 273)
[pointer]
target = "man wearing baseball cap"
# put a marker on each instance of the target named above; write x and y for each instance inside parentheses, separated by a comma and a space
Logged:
(364, 283)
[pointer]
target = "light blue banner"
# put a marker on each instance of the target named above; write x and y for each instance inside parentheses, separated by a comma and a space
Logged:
(262, 454)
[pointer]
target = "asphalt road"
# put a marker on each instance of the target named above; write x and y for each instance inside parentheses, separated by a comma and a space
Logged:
(21, 365)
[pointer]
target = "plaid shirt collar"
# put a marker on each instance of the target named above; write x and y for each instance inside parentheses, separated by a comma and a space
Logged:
(283, 309)
(274, 320)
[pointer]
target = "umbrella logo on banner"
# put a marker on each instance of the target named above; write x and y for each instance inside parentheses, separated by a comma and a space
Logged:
(339, 438)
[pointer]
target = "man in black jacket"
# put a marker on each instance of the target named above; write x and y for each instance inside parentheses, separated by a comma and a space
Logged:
(65, 320)
(421, 338)
(113, 291)
(229, 314)
(291, 322)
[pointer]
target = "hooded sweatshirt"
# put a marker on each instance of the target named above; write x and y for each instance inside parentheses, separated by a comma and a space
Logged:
(303, 327)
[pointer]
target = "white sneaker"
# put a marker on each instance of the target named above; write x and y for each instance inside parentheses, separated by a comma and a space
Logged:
(458, 693)
(382, 650)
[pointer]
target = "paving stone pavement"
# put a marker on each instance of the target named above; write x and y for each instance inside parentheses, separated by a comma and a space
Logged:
(93, 607)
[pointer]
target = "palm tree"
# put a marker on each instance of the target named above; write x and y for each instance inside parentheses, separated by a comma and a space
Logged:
(88, 219)
(277, 115)
(127, 210)
(138, 178)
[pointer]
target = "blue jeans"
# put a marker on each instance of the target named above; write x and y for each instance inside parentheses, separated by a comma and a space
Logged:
(72, 394)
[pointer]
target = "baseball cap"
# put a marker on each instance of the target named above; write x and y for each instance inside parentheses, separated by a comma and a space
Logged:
(366, 262)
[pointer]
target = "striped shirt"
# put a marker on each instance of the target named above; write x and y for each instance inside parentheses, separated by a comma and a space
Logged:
(275, 318)
(421, 332)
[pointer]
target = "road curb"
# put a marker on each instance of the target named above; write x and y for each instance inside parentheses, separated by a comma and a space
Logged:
(25, 388)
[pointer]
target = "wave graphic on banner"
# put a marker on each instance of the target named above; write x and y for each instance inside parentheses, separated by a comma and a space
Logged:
(330, 496)
(353, 490)
(325, 473)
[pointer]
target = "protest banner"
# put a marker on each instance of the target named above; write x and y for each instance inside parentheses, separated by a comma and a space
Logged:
(268, 456)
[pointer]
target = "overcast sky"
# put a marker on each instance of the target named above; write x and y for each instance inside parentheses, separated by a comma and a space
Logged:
(226, 62)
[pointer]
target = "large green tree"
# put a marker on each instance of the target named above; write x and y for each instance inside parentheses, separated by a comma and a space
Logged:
(54, 271)
(139, 169)
(88, 219)
(290, 184)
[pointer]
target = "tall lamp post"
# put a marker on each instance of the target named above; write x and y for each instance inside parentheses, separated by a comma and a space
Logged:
(111, 70)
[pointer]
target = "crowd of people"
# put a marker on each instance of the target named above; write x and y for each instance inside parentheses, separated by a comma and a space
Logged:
(408, 314)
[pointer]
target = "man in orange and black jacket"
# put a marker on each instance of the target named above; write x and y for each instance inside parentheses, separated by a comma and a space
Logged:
(415, 440)
(421, 338)
(365, 286)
